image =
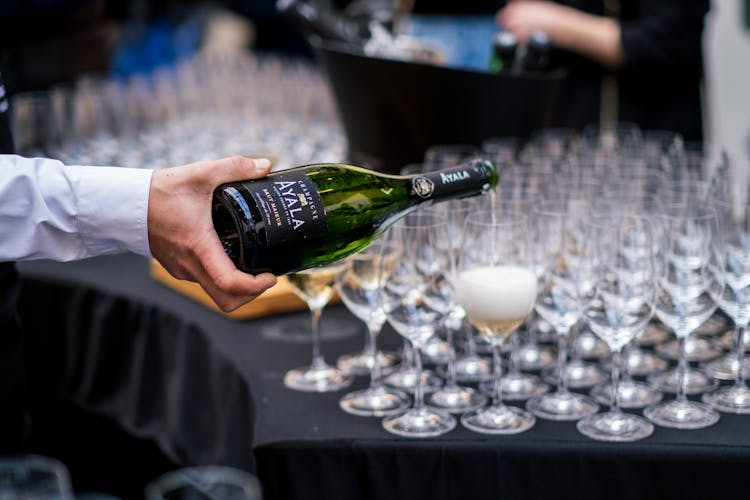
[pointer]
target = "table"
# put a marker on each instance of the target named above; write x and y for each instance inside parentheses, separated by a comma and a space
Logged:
(130, 379)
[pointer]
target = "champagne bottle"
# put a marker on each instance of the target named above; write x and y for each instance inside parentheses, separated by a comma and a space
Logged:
(537, 56)
(504, 47)
(316, 214)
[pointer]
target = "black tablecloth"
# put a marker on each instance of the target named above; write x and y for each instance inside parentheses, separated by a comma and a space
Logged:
(106, 339)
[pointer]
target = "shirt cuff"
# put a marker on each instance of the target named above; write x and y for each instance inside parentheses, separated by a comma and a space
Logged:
(113, 208)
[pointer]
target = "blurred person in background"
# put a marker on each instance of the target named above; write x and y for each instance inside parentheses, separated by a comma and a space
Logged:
(637, 61)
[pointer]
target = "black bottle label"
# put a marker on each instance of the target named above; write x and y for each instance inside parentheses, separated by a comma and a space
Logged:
(467, 181)
(290, 207)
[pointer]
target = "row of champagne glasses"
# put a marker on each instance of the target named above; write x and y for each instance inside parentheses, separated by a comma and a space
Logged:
(579, 194)
(200, 108)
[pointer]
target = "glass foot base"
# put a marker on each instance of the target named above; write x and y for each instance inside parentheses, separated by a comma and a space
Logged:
(642, 363)
(729, 339)
(632, 394)
(725, 367)
(696, 382)
(562, 406)
(588, 346)
(375, 402)
(420, 423)
(733, 399)
(579, 374)
(456, 399)
(436, 351)
(536, 357)
(498, 420)
(696, 349)
(682, 415)
(714, 326)
(405, 380)
(516, 387)
(655, 333)
(361, 363)
(615, 426)
(472, 369)
(318, 379)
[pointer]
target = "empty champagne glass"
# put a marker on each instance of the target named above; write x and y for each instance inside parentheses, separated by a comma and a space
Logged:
(426, 254)
(618, 277)
(690, 279)
(316, 287)
(735, 301)
(360, 288)
(557, 252)
(496, 286)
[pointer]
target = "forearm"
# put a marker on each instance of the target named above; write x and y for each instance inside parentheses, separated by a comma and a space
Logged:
(50, 210)
(595, 37)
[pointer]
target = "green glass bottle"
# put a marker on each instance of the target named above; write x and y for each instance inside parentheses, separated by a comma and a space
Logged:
(317, 214)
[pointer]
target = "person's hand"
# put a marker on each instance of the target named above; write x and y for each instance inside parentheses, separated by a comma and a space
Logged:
(523, 17)
(181, 232)
(595, 37)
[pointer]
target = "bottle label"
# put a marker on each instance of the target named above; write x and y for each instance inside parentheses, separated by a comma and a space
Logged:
(468, 180)
(290, 206)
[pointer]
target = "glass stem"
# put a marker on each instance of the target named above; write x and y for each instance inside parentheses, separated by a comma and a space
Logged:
(625, 360)
(682, 366)
(451, 368)
(376, 373)
(418, 389)
(617, 358)
(471, 346)
(740, 356)
(513, 365)
(317, 357)
(369, 348)
(497, 386)
(562, 352)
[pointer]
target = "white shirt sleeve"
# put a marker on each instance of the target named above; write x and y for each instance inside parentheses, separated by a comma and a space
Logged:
(61, 212)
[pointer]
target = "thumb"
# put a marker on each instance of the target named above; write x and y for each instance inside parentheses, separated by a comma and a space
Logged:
(237, 168)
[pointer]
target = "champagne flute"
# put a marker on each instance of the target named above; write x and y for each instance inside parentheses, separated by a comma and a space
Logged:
(452, 397)
(316, 287)
(423, 237)
(557, 253)
(735, 301)
(360, 288)
(496, 286)
(618, 277)
(691, 278)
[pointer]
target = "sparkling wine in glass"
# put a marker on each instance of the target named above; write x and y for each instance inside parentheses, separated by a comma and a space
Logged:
(316, 287)
(497, 287)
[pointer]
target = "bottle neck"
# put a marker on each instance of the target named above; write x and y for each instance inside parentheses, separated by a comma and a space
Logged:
(467, 180)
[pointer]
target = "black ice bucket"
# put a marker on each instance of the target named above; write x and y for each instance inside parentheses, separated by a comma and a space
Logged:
(393, 110)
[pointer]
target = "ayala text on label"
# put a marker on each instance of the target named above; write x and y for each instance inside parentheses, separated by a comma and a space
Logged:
(292, 200)
(448, 177)
(290, 207)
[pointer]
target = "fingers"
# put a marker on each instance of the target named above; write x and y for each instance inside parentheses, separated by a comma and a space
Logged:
(235, 168)
(226, 285)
